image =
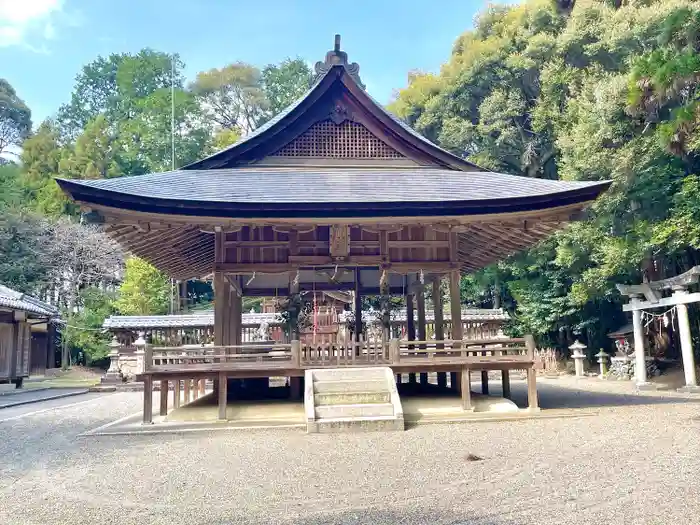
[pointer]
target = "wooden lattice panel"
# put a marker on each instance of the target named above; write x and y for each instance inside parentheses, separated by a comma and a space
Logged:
(347, 140)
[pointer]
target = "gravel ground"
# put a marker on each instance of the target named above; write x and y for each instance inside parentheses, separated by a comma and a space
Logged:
(632, 464)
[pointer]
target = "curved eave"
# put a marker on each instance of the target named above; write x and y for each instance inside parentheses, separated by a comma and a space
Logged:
(294, 210)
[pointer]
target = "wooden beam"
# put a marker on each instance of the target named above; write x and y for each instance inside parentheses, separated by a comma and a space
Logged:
(419, 244)
(453, 242)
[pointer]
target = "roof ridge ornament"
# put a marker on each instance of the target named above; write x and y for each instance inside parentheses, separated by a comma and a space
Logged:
(337, 57)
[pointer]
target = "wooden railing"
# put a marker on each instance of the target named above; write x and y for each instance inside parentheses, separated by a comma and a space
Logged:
(163, 358)
(350, 353)
(484, 350)
(345, 354)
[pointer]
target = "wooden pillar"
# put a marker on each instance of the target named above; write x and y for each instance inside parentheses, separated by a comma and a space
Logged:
(164, 397)
(295, 388)
(410, 328)
(147, 399)
(293, 290)
(505, 382)
(385, 300)
(439, 325)
(485, 382)
(187, 390)
(422, 333)
(532, 401)
(176, 393)
(358, 307)
(220, 307)
(235, 336)
(183, 306)
(455, 306)
(202, 387)
(465, 387)
(222, 395)
(455, 314)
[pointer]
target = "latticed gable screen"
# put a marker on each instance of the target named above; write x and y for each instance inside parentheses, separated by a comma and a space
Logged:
(347, 140)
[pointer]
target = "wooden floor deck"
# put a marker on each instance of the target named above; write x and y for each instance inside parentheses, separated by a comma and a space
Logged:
(189, 367)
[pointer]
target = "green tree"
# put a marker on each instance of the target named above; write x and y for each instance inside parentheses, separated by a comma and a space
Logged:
(85, 330)
(584, 91)
(146, 139)
(94, 155)
(41, 156)
(284, 83)
(15, 117)
(233, 96)
(225, 138)
(12, 191)
(111, 85)
(144, 290)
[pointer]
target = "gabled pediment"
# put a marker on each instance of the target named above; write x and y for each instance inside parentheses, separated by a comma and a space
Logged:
(335, 122)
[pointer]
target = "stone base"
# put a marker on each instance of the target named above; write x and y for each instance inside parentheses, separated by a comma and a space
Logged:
(375, 424)
(120, 387)
(690, 389)
(646, 386)
(112, 378)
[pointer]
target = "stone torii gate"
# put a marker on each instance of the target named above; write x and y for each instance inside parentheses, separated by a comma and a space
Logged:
(653, 293)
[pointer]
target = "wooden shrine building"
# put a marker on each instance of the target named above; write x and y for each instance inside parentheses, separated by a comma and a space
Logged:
(27, 336)
(333, 194)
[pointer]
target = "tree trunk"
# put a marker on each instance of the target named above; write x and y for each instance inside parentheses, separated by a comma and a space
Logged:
(65, 349)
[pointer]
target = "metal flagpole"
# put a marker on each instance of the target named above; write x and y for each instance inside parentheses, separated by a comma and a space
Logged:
(173, 290)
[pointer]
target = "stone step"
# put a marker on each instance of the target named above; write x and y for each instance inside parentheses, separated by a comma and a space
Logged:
(366, 424)
(352, 398)
(343, 374)
(354, 411)
(352, 385)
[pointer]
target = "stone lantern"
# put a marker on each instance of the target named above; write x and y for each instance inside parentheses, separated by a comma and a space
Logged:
(113, 374)
(140, 345)
(602, 361)
(578, 356)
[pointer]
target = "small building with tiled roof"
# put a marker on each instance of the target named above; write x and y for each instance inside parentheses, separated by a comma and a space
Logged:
(26, 335)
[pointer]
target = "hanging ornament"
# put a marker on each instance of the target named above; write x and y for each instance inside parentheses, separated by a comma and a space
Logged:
(666, 320)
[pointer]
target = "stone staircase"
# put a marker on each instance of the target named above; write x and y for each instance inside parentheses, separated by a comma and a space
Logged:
(352, 400)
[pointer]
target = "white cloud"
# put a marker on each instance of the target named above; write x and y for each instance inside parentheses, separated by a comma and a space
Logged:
(29, 23)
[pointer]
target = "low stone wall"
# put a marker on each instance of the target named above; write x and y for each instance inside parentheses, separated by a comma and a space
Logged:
(128, 365)
(623, 368)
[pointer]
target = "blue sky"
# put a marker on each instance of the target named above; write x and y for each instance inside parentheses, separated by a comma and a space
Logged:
(44, 43)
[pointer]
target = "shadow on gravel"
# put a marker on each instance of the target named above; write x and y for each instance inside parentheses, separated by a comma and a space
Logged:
(376, 517)
(553, 396)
